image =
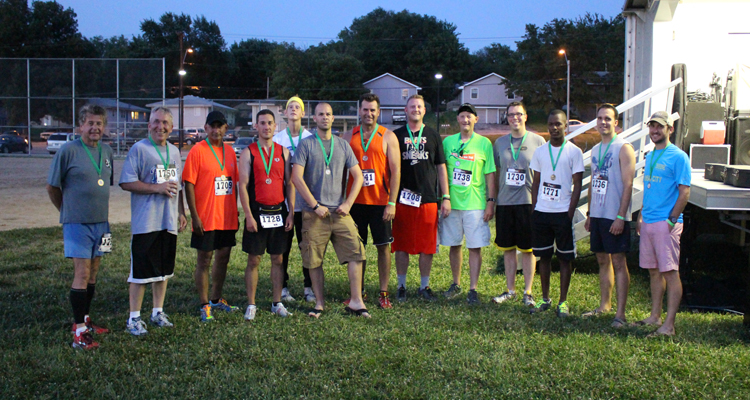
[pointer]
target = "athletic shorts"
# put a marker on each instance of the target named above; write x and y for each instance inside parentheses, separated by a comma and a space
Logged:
(513, 227)
(271, 240)
(213, 240)
(83, 240)
(340, 230)
(365, 215)
(460, 223)
(152, 256)
(660, 248)
(415, 229)
(604, 242)
(553, 234)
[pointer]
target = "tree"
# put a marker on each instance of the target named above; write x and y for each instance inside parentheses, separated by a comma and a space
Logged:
(252, 63)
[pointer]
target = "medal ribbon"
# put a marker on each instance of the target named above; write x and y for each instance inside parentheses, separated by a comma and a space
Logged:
(267, 165)
(464, 144)
(516, 153)
(601, 160)
(289, 133)
(374, 131)
(553, 160)
(326, 157)
(166, 164)
(411, 135)
(223, 155)
(98, 167)
(654, 161)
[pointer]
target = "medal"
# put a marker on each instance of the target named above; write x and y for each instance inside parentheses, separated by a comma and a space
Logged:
(552, 177)
(328, 171)
(268, 181)
(100, 182)
(267, 165)
(649, 186)
(364, 158)
(553, 160)
(458, 163)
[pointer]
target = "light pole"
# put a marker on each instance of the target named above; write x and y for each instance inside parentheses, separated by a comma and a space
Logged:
(567, 107)
(183, 55)
(438, 76)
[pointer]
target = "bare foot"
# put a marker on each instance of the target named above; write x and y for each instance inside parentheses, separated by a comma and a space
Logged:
(648, 321)
(314, 313)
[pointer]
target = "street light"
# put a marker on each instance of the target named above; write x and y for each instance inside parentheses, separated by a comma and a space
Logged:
(438, 76)
(567, 107)
(181, 72)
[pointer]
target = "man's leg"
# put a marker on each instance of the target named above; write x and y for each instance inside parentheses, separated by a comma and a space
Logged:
(136, 292)
(674, 296)
(511, 266)
(219, 272)
(606, 281)
(159, 293)
(91, 286)
(545, 269)
(78, 294)
(528, 263)
(622, 280)
(355, 287)
(318, 278)
(565, 272)
(475, 267)
(384, 266)
(277, 276)
(657, 293)
(456, 259)
(202, 267)
(425, 266)
(251, 278)
(402, 265)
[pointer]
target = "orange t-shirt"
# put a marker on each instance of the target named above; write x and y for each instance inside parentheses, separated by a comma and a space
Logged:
(376, 164)
(218, 212)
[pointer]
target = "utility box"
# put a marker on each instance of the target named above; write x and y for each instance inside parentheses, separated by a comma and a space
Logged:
(713, 132)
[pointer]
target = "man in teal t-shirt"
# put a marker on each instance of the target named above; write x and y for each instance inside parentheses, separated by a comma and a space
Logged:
(471, 174)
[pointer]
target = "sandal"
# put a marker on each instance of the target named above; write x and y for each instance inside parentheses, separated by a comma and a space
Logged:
(314, 313)
(618, 323)
(362, 312)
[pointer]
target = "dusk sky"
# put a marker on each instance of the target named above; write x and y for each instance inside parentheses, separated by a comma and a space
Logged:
(306, 23)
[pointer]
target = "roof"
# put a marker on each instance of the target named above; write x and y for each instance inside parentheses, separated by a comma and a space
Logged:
(113, 104)
(189, 101)
(484, 77)
(394, 77)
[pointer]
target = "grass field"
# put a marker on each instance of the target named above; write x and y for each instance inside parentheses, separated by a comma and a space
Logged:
(415, 351)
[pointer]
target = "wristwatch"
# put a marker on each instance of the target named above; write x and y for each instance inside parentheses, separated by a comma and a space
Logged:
(316, 206)
(673, 220)
(490, 199)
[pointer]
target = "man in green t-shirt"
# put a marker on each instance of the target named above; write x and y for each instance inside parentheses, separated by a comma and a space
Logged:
(471, 174)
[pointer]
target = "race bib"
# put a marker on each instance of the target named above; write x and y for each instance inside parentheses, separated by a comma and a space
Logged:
(106, 244)
(369, 175)
(223, 185)
(551, 191)
(271, 221)
(599, 185)
(461, 177)
(165, 175)
(515, 177)
(410, 198)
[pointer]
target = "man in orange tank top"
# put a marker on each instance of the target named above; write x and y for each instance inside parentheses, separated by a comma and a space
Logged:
(267, 196)
(376, 149)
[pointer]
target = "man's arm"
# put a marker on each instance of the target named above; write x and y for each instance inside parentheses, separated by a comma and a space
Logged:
(244, 171)
(356, 174)
(576, 196)
(682, 200)
(445, 204)
(298, 179)
(196, 220)
(393, 153)
(55, 195)
(535, 189)
(290, 192)
(170, 188)
(627, 171)
(489, 209)
(181, 210)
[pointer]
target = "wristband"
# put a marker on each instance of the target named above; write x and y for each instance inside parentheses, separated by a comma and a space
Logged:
(588, 213)
(670, 223)
(316, 206)
(491, 199)
(390, 203)
(620, 217)
(446, 197)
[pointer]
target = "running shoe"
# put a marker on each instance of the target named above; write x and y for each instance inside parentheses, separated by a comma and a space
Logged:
(285, 296)
(504, 297)
(93, 329)
(453, 291)
(472, 297)
(222, 305)
(401, 294)
(84, 341)
(562, 309)
(384, 302)
(250, 312)
(528, 300)
(543, 305)
(426, 293)
(309, 295)
(279, 310)
(206, 313)
(137, 327)
(161, 319)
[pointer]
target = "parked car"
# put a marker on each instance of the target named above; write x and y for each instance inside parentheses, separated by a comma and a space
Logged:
(241, 143)
(230, 136)
(10, 143)
(46, 135)
(200, 133)
(58, 139)
(574, 124)
(399, 117)
(189, 137)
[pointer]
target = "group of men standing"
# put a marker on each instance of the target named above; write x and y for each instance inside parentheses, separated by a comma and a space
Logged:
(412, 190)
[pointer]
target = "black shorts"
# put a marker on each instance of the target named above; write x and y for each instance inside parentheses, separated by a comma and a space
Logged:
(152, 256)
(366, 215)
(266, 240)
(604, 242)
(553, 234)
(513, 227)
(213, 240)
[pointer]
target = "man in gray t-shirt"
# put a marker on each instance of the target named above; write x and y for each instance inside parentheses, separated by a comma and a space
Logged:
(321, 164)
(152, 172)
(78, 186)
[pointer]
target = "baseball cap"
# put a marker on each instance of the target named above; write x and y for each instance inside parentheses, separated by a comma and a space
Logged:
(216, 116)
(467, 107)
(662, 118)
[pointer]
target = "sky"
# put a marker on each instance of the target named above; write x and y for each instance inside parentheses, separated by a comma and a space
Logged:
(306, 23)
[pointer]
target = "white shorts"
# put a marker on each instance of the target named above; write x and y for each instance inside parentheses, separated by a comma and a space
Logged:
(464, 222)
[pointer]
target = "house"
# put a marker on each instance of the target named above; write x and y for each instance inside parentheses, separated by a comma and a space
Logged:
(195, 110)
(129, 114)
(246, 112)
(393, 93)
(488, 95)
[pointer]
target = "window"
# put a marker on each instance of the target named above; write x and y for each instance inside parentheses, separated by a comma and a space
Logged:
(404, 93)
(511, 96)
(474, 93)
(134, 115)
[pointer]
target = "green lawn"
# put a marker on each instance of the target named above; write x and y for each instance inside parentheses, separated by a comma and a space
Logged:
(415, 351)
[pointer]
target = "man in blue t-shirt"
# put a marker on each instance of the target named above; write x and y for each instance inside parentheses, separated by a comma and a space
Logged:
(666, 193)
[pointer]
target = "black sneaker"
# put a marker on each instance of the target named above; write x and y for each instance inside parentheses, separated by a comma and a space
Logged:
(452, 291)
(401, 295)
(426, 293)
(473, 297)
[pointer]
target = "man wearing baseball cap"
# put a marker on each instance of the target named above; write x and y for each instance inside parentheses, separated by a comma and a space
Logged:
(666, 192)
(471, 177)
(210, 175)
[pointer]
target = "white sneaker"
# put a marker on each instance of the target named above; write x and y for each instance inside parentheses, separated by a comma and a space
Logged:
(250, 312)
(280, 310)
(137, 327)
(285, 296)
(161, 319)
(310, 295)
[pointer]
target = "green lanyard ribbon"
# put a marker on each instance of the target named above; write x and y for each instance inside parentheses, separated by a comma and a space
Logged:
(516, 153)
(326, 157)
(98, 167)
(223, 154)
(463, 145)
(165, 163)
(552, 159)
(419, 138)
(289, 133)
(267, 165)
(374, 131)
(654, 161)
(601, 160)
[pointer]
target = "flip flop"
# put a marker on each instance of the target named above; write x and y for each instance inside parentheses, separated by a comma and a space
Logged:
(362, 312)
(592, 313)
(619, 323)
(644, 323)
(314, 313)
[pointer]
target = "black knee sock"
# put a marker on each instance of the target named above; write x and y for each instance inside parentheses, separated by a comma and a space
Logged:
(78, 301)
(89, 295)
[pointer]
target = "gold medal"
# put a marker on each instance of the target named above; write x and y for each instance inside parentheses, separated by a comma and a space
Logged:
(100, 182)
(552, 177)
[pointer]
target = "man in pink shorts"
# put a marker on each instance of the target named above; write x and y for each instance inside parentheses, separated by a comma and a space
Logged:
(666, 193)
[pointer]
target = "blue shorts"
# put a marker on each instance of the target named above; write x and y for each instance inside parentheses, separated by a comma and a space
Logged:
(83, 240)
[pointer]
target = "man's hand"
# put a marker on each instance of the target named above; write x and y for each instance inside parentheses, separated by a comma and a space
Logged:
(289, 221)
(250, 224)
(571, 214)
(669, 224)
(587, 225)
(183, 223)
(489, 211)
(638, 227)
(617, 227)
(445, 208)
(197, 225)
(343, 209)
(321, 211)
(169, 189)
(389, 213)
